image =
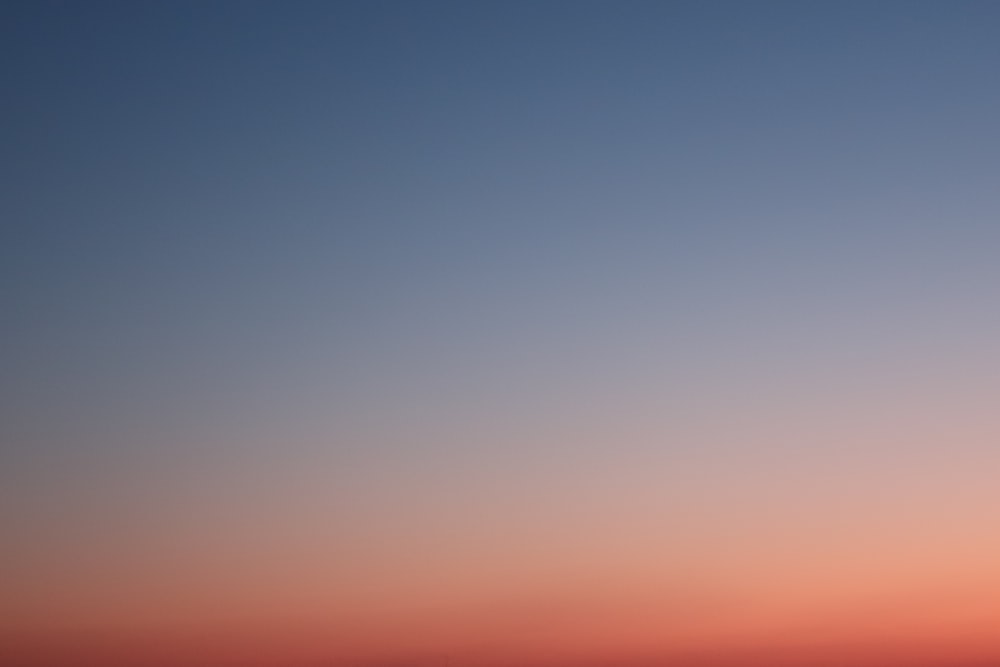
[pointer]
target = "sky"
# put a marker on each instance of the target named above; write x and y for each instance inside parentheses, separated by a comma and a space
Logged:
(500, 333)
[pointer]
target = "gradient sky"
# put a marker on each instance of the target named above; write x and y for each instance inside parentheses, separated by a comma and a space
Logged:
(509, 332)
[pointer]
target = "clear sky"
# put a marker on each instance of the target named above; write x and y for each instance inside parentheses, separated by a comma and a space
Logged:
(505, 332)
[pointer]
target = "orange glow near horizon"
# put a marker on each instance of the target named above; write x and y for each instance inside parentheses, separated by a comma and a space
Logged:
(932, 625)
(620, 581)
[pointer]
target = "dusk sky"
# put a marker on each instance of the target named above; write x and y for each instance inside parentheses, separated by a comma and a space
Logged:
(500, 333)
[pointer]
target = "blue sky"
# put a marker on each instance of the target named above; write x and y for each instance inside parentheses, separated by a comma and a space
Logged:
(475, 246)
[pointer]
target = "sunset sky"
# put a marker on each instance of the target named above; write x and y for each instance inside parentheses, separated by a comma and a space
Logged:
(500, 333)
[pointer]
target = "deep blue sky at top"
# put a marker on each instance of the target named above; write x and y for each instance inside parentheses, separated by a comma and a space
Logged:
(210, 204)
